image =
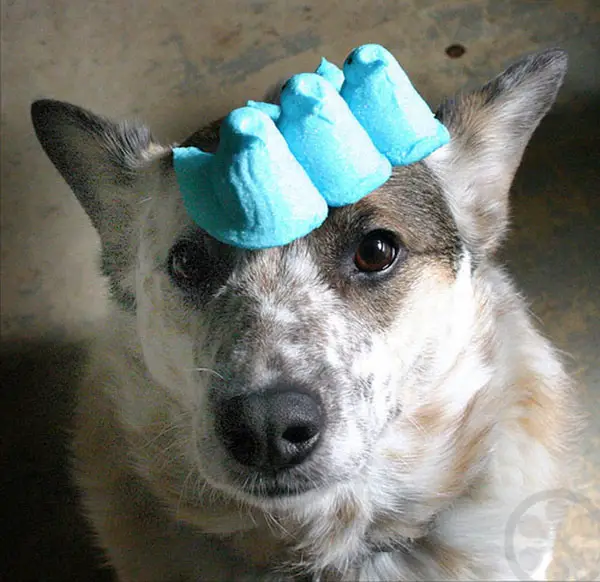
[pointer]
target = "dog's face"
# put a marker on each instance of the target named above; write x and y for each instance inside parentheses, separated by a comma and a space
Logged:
(295, 359)
(287, 371)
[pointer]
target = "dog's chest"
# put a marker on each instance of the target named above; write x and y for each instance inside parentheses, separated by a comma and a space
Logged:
(334, 546)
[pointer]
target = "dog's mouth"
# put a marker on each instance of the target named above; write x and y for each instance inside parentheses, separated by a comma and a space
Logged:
(274, 491)
(281, 485)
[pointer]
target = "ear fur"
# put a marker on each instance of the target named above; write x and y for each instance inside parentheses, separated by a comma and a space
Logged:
(490, 129)
(101, 162)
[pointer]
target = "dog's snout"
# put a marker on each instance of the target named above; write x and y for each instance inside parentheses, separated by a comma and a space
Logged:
(270, 430)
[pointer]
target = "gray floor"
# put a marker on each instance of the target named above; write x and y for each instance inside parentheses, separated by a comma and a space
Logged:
(178, 65)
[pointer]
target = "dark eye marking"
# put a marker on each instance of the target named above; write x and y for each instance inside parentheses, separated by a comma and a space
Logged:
(189, 264)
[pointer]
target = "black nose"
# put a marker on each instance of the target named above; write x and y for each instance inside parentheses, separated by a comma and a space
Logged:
(272, 429)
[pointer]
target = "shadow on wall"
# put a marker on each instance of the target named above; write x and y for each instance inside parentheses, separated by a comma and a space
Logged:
(45, 537)
(555, 228)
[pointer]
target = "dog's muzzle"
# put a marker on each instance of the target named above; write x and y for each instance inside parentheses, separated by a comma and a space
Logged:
(270, 430)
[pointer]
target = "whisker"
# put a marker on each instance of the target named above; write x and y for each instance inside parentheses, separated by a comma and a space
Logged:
(169, 459)
(246, 511)
(183, 490)
(170, 427)
(202, 486)
(207, 370)
(272, 520)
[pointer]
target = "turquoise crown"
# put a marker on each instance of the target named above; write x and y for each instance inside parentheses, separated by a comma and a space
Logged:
(333, 139)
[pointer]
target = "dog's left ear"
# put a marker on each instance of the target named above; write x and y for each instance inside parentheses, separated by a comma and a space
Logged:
(490, 129)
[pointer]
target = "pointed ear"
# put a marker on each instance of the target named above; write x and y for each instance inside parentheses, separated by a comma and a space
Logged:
(101, 161)
(490, 129)
(94, 155)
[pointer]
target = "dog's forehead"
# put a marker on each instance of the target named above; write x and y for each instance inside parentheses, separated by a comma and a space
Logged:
(411, 204)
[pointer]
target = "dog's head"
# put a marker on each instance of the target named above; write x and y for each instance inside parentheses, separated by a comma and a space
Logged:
(284, 370)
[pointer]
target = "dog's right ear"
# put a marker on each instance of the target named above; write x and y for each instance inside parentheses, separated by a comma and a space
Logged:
(102, 162)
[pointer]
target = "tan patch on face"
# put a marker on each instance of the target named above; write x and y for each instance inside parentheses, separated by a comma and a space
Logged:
(430, 417)
(451, 560)
(465, 445)
(469, 440)
(346, 514)
(471, 449)
(547, 415)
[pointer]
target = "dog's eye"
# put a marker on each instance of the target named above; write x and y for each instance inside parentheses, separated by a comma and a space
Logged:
(376, 252)
(187, 263)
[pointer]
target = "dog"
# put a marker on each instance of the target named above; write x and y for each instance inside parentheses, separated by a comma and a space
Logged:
(370, 402)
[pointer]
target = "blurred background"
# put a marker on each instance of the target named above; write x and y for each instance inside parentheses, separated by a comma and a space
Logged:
(178, 65)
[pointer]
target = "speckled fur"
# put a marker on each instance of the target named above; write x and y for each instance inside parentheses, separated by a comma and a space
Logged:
(445, 407)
